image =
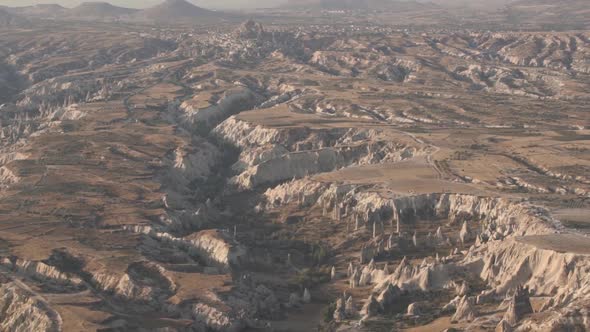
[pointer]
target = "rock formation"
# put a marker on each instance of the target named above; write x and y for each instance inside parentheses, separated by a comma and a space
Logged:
(349, 308)
(306, 296)
(518, 306)
(23, 311)
(339, 311)
(414, 309)
(370, 308)
(388, 296)
(464, 234)
(172, 169)
(465, 310)
(503, 326)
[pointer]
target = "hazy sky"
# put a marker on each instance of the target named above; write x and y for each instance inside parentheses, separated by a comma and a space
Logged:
(148, 3)
(234, 4)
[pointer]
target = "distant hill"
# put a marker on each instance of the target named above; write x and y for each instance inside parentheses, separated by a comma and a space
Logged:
(518, 3)
(553, 5)
(566, 13)
(175, 11)
(471, 4)
(390, 5)
(8, 19)
(41, 11)
(169, 11)
(99, 10)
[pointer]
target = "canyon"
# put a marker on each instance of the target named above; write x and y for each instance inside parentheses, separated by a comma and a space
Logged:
(264, 176)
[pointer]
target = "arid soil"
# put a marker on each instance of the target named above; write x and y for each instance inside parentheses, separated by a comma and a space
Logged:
(293, 177)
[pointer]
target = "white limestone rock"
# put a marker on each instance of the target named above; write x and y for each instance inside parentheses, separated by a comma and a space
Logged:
(371, 307)
(465, 310)
(306, 296)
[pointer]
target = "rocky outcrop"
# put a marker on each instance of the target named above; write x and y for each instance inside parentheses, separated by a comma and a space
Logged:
(339, 312)
(519, 306)
(506, 80)
(509, 264)
(408, 277)
(306, 296)
(59, 92)
(464, 234)
(388, 296)
(23, 311)
(500, 217)
(210, 318)
(7, 177)
(503, 326)
(250, 30)
(364, 65)
(192, 163)
(214, 248)
(536, 49)
(302, 192)
(349, 307)
(41, 272)
(271, 155)
(218, 249)
(498, 256)
(465, 310)
(143, 282)
(207, 117)
(300, 164)
(371, 307)
(414, 309)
